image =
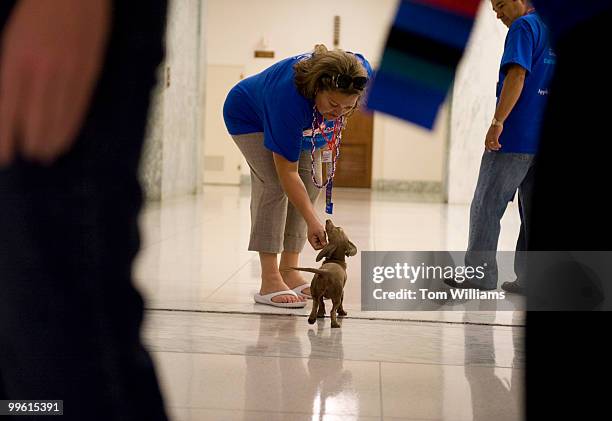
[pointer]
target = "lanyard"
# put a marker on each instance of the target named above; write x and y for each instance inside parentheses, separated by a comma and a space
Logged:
(329, 157)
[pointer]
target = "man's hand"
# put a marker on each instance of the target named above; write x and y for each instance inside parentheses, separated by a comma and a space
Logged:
(51, 58)
(492, 138)
(509, 96)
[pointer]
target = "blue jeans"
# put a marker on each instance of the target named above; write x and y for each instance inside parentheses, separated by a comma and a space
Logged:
(501, 174)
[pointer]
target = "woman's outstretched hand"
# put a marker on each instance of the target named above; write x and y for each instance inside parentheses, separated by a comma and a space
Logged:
(316, 235)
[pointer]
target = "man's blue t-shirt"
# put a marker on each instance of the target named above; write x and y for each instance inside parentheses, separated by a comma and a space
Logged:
(269, 102)
(528, 45)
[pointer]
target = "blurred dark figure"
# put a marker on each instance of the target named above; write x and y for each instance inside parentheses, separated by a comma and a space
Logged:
(75, 82)
(571, 181)
(565, 351)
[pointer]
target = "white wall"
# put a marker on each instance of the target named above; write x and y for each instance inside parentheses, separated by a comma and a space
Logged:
(223, 162)
(474, 104)
(234, 28)
(172, 164)
(409, 152)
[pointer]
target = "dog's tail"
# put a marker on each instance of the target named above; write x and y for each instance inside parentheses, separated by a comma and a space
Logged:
(321, 272)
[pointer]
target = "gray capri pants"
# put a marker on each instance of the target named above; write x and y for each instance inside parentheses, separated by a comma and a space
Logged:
(276, 225)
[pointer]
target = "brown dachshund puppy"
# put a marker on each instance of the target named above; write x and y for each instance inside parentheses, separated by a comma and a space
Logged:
(330, 278)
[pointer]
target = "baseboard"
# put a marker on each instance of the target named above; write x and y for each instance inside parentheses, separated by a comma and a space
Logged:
(411, 186)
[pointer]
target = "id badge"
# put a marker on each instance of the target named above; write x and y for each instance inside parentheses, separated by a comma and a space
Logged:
(326, 156)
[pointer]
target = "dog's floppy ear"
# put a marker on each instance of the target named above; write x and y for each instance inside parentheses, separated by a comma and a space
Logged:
(327, 251)
(351, 250)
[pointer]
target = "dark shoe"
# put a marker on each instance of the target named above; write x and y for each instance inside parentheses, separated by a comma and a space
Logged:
(466, 285)
(513, 287)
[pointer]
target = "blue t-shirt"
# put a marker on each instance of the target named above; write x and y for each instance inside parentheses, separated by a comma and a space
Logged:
(269, 102)
(528, 45)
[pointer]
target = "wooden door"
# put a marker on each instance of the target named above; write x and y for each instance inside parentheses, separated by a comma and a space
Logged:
(354, 167)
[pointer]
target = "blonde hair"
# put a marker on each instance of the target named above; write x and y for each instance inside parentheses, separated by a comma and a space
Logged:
(310, 73)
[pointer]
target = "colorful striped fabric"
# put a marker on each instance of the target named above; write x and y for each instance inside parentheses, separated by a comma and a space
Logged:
(421, 55)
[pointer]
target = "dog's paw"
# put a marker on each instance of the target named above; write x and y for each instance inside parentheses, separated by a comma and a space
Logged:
(342, 313)
(311, 321)
(321, 314)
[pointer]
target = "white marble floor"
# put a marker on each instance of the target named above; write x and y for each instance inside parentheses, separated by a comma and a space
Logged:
(220, 356)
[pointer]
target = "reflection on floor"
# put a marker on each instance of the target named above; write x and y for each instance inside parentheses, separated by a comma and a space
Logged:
(222, 357)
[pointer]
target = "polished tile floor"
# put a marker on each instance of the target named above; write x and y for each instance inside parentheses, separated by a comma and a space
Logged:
(221, 357)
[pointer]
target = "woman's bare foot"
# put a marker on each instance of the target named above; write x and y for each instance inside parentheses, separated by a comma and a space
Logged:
(294, 278)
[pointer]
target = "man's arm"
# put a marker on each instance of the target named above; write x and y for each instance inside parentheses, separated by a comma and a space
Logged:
(296, 193)
(52, 56)
(510, 94)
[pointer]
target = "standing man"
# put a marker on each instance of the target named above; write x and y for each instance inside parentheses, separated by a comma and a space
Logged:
(511, 142)
(75, 83)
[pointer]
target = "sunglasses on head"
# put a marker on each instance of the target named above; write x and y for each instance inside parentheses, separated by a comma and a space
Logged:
(343, 81)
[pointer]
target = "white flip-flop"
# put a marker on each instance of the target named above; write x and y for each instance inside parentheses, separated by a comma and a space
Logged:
(267, 299)
(299, 290)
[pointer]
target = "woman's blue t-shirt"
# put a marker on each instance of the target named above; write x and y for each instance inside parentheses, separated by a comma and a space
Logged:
(269, 102)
